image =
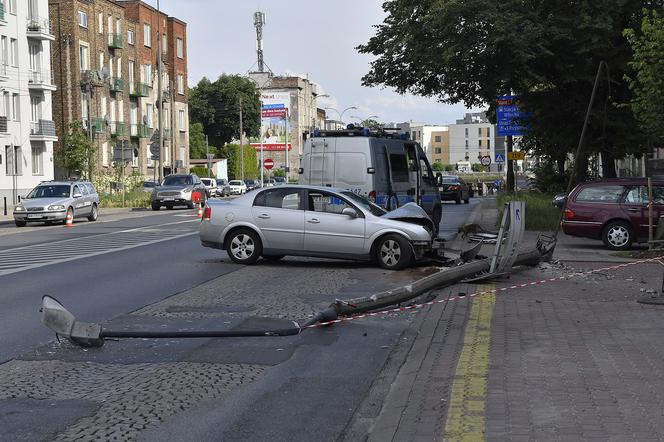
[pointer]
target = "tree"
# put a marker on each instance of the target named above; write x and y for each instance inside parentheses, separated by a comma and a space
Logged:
(216, 105)
(232, 153)
(647, 80)
(78, 153)
(438, 167)
(197, 145)
(546, 51)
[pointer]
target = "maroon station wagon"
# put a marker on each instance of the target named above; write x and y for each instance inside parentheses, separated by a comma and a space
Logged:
(613, 210)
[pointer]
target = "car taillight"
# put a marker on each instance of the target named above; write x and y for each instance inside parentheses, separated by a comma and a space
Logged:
(453, 188)
(372, 196)
(207, 213)
(568, 214)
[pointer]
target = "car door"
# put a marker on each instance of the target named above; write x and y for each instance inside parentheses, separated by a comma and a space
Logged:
(635, 208)
(326, 229)
(279, 215)
(79, 203)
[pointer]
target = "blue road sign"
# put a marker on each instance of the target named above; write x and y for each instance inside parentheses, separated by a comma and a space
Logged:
(500, 158)
(509, 119)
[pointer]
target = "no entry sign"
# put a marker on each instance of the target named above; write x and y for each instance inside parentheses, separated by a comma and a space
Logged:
(268, 163)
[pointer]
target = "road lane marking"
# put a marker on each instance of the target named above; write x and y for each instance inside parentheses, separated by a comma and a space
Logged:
(467, 405)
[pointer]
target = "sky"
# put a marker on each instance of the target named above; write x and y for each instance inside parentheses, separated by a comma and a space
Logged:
(311, 38)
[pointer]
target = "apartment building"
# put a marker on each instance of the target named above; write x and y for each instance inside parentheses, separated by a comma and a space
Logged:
(439, 151)
(105, 64)
(473, 137)
(27, 132)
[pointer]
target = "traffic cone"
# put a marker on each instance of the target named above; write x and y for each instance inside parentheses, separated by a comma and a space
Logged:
(69, 220)
(199, 214)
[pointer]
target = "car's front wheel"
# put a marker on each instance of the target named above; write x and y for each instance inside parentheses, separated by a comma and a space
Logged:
(618, 235)
(393, 252)
(94, 213)
(20, 223)
(155, 206)
(244, 246)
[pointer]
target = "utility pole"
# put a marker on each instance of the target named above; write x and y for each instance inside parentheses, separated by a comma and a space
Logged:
(171, 97)
(260, 136)
(159, 96)
(207, 154)
(510, 164)
(287, 170)
(241, 144)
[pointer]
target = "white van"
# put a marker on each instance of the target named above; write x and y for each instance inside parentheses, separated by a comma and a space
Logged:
(382, 166)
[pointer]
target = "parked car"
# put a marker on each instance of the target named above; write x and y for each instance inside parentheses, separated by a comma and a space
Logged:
(210, 186)
(52, 200)
(453, 188)
(237, 187)
(559, 200)
(316, 221)
(223, 188)
(613, 210)
(279, 180)
(252, 184)
(179, 190)
(268, 183)
(148, 186)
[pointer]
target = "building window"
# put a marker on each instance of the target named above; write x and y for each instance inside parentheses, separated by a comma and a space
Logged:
(16, 110)
(466, 132)
(438, 150)
(14, 49)
(134, 158)
(82, 19)
(479, 142)
(5, 51)
(37, 160)
(118, 26)
(466, 142)
(104, 153)
(148, 115)
(100, 23)
(180, 84)
(147, 74)
(84, 110)
(488, 144)
(130, 37)
(101, 60)
(35, 108)
(180, 48)
(182, 124)
(12, 7)
(130, 70)
(14, 155)
(479, 131)
(147, 36)
(118, 67)
(164, 44)
(438, 138)
(83, 52)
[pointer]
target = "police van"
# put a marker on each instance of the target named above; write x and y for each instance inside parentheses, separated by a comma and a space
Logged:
(384, 166)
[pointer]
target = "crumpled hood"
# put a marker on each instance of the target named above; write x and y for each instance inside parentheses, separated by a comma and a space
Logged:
(410, 213)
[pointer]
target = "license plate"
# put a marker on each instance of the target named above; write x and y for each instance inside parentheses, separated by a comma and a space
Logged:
(169, 199)
(34, 215)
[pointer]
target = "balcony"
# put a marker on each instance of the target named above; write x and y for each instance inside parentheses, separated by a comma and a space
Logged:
(39, 28)
(118, 129)
(139, 131)
(40, 81)
(42, 130)
(98, 126)
(2, 14)
(116, 84)
(115, 41)
(3, 126)
(140, 90)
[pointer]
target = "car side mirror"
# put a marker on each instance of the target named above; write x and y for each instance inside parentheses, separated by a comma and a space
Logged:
(77, 195)
(350, 212)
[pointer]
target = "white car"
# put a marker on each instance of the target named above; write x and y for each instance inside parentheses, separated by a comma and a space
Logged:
(238, 187)
(210, 186)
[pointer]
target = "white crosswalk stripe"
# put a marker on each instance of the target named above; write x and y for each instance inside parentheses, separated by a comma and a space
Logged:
(28, 257)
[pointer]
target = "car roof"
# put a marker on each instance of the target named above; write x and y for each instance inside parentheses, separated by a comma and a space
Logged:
(623, 180)
(63, 183)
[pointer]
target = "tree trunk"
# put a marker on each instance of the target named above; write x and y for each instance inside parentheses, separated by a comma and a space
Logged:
(608, 165)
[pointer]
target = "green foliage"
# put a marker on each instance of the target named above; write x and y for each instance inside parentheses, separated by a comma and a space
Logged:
(232, 153)
(438, 167)
(540, 213)
(216, 105)
(78, 154)
(105, 181)
(278, 172)
(197, 145)
(548, 179)
(647, 81)
(546, 51)
(476, 167)
(449, 168)
(201, 171)
(135, 198)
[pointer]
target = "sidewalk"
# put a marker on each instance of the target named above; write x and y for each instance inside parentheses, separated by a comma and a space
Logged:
(113, 212)
(572, 359)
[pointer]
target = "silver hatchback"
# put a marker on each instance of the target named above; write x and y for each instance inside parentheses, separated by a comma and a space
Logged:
(52, 200)
(315, 221)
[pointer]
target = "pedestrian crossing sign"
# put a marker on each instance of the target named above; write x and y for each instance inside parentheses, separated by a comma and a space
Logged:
(500, 158)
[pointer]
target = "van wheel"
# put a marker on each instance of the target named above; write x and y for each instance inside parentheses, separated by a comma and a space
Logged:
(618, 235)
(393, 252)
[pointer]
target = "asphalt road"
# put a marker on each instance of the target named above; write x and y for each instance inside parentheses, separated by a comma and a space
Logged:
(294, 388)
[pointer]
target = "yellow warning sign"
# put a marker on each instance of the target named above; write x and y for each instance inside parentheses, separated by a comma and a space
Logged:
(516, 155)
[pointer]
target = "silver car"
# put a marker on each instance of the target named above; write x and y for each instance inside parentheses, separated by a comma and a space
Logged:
(315, 221)
(52, 200)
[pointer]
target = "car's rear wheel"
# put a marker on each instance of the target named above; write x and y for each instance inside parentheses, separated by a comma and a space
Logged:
(393, 252)
(94, 213)
(244, 246)
(20, 223)
(618, 235)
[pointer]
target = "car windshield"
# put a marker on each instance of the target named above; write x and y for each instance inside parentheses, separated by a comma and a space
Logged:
(279, 179)
(149, 184)
(450, 179)
(235, 183)
(221, 182)
(50, 191)
(363, 202)
(206, 181)
(178, 180)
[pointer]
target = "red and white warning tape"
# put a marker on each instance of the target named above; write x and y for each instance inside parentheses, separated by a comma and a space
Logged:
(485, 292)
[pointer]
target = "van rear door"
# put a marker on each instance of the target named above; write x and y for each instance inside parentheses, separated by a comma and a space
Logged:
(318, 162)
